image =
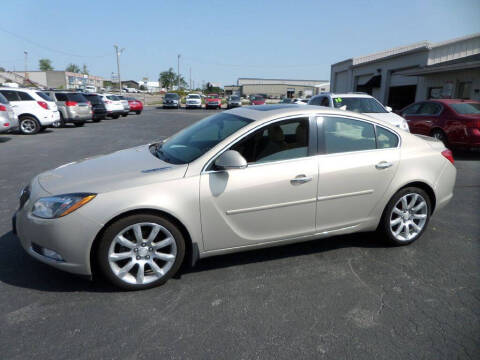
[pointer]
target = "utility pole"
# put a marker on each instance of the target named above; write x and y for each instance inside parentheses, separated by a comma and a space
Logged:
(26, 64)
(178, 72)
(118, 52)
(190, 78)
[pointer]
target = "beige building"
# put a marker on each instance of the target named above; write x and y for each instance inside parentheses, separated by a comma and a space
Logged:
(277, 88)
(54, 79)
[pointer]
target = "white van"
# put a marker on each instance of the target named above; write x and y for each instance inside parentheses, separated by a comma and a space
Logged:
(90, 89)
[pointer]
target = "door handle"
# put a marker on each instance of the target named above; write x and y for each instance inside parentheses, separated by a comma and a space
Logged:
(301, 179)
(383, 165)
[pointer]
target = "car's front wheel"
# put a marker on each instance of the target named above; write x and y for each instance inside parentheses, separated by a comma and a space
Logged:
(141, 251)
(406, 216)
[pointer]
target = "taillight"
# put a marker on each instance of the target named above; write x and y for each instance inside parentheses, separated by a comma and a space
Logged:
(448, 155)
(3, 108)
(107, 102)
(71, 103)
(43, 104)
(6, 124)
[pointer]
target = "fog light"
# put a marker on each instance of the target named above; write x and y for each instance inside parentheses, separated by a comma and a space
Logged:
(51, 254)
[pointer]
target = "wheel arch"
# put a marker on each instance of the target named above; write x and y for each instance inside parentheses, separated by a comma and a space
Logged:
(191, 250)
(24, 115)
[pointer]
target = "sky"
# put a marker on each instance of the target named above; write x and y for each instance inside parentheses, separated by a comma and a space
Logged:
(221, 41)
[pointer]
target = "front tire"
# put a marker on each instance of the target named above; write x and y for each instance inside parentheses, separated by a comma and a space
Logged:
(406, 216)
(140, 251)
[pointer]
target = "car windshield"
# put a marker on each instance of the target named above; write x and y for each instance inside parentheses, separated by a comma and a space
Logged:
(171, 96)
(212, 96)
(193, 96)
(197, 139)
(359, 104)
(44, 96)
(257, 98)
(234, 98)
(466, 108)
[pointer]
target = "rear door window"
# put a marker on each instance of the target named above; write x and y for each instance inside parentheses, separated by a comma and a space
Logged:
(345, 135)
(10, 95)
(3, 99)
(386, 139)
(24, 96)
(412, 109)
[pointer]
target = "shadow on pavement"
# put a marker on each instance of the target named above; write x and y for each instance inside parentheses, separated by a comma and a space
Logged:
(18, 269)
(4, 139)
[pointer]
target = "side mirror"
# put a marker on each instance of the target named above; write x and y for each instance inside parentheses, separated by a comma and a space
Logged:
(231, 159)
(388, 108)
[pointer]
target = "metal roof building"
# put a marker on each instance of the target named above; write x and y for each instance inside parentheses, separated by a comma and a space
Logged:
(402, 75)
(278, 88)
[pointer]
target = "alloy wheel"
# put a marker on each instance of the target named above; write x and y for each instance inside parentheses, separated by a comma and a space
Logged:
(142, 253)
(408, 217)
(28, 126)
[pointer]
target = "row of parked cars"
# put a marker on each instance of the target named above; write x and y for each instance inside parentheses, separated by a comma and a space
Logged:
(33, 110)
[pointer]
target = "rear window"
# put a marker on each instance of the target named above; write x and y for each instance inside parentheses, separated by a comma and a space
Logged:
(76, 97)
(3, 99)
(44, 96)
(10, 95)
(94, 99)
(466, 108)
(112, 97)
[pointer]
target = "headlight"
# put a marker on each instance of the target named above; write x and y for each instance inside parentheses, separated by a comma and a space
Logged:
(57, 206)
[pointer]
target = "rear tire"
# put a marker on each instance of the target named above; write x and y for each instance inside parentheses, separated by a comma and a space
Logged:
(116, 116)
(121, 261)
(406, 216)
(124, 115)
(29, 125)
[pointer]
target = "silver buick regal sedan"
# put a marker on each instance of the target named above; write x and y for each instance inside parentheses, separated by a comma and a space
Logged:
(238, 180)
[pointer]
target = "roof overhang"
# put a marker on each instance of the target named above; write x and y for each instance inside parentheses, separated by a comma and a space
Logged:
(440, 68)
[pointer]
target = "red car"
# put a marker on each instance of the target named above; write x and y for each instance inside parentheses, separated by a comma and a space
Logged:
(456, 122)
(213, 101)
(136, 106)
(257, 100)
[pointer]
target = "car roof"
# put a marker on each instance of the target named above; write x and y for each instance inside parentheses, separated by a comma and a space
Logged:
(346, 95)
(263, 113)
(452, 101)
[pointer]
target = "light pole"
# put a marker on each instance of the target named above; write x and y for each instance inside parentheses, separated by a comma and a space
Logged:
(178, 72)
(26, 64)
(118, 52)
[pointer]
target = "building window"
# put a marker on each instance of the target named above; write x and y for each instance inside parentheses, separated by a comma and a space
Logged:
(435, 92)
(464, 89)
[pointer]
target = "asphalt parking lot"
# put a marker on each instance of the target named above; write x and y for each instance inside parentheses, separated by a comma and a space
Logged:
(338, 298)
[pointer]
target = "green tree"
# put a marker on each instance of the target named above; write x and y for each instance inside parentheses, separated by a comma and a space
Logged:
(2, 68)
(84, 69)
(45, 64)
(167, 78)
(73, 68)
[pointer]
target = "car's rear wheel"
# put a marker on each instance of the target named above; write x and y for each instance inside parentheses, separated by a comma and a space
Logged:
(124, 115)
(116, 116)
(29, 125)
(440, 135)
(141, 251)
(406, 216)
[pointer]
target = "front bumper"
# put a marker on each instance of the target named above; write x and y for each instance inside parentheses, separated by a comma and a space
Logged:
(213, 105)
(70, 236)
(170, 105)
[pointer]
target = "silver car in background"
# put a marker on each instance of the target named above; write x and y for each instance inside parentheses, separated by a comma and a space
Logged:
(8, 119)
(73, 107)
(242, 179)
(126, 105)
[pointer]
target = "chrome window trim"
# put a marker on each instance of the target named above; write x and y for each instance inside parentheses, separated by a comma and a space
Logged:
(311, 118)
(375, 125)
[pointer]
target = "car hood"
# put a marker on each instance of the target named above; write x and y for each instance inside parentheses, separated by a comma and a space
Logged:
(390, 117)
(212, 100)
(121, 169)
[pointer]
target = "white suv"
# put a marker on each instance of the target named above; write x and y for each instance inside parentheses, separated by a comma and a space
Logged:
(360, 103)
(113, 104)
(35, 109)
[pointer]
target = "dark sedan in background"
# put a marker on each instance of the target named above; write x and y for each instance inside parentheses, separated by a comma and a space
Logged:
(98, 107)
(456, 122)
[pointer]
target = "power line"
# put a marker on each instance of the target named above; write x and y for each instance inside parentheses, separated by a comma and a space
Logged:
(49, 48)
